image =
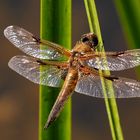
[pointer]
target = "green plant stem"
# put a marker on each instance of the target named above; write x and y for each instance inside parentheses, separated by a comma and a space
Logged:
(55, 26)
(129, 14)
(111, 105)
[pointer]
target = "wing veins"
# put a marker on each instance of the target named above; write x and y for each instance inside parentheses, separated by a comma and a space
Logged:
(50, 73)
(113, 61)
(91, 85)
(31, 45)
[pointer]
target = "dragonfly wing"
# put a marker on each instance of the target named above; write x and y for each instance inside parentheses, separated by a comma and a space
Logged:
(32, 70)
(30, 45)
(123, 88)
(122, 61)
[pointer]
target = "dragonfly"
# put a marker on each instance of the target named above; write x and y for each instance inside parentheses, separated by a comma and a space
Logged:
(78, 69)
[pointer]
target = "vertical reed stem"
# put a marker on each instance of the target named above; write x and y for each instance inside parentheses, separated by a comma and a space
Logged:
(55, 26)
(111, 105)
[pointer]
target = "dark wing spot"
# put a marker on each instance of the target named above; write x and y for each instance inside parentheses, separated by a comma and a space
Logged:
(112, 78)
(40, 62)
(36, 39)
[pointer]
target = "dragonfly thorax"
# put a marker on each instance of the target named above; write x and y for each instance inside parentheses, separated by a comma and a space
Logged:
(81, 48)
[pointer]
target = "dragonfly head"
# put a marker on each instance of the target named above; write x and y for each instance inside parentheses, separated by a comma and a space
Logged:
(90, 39)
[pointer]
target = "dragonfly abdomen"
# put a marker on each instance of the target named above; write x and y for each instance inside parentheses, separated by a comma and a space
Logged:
(66, 91)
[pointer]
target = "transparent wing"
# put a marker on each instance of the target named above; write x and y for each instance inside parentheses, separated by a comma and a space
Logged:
(123, 88)
(30, 45)
(30, 69)
(116, 61)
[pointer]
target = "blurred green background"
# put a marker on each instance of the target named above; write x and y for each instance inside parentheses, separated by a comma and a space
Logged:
(19, 97)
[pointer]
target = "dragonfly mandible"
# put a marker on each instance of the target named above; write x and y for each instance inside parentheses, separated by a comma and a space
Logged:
(80, 70)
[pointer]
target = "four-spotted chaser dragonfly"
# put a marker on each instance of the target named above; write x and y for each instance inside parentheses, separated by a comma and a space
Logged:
(79, 72)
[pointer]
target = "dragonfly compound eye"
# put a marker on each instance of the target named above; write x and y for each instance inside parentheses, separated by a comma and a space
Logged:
(85, 39)
(95, 40)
